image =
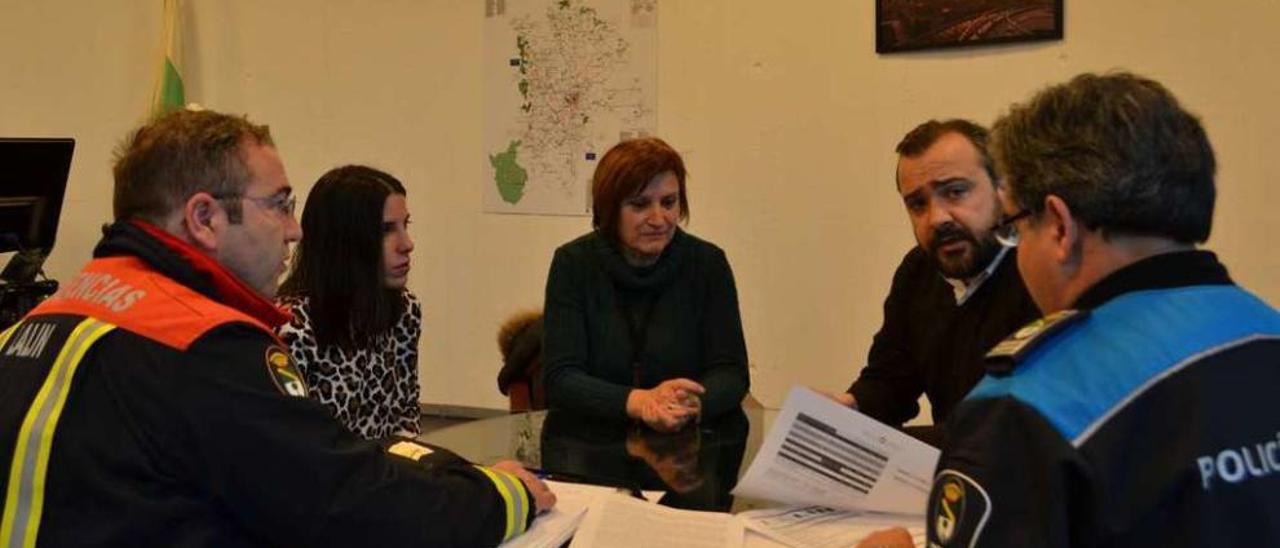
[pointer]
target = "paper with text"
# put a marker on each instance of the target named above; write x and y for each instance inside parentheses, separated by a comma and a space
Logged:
(819, 527)
(820, 453)
(554, 528)
(620, 521)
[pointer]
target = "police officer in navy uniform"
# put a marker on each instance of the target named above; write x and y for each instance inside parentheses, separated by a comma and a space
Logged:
(1139, 410)
(148, 403)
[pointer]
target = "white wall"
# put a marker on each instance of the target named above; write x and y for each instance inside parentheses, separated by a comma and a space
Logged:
(787, 116)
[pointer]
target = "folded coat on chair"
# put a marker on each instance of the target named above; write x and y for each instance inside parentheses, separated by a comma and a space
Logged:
(520, 340)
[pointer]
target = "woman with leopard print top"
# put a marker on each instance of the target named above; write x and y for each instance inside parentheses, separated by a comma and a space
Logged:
(355, 327)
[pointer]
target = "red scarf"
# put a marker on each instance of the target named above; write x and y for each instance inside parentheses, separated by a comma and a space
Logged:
(231, 290)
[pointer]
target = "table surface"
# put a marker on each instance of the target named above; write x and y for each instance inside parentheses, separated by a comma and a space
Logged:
(697, 466)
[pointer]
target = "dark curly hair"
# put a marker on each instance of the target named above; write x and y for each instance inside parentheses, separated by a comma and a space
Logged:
(923, 136)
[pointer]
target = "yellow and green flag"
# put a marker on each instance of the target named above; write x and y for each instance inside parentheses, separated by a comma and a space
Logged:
(169, 94)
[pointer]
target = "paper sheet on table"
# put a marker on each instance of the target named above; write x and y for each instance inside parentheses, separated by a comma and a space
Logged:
(619, 521)
(820, 453)
(819, 527)
(555, 527)
(756, 539)
(653, 496)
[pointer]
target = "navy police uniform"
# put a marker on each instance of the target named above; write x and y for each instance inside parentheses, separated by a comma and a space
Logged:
(148, 404)
(1144, 418)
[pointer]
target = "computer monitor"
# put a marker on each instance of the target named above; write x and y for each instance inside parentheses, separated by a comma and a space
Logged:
(33, 181)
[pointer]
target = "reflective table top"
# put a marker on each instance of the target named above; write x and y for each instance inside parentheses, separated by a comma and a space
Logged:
(697, 466)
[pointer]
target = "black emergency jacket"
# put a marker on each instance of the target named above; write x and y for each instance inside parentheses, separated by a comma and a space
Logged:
(138, 409)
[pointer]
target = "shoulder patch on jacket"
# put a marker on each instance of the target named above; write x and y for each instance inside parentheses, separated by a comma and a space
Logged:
(958, 510)
(409, 450)
(283, 373)
(1006, 355)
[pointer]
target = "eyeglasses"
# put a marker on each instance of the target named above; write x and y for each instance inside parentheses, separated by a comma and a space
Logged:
(1005, 231)
(284, 204)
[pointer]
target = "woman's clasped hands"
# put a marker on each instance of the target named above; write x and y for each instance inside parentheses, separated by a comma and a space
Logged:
(667, 407)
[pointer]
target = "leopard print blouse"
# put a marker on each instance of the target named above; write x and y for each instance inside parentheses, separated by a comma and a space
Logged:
(374, 390)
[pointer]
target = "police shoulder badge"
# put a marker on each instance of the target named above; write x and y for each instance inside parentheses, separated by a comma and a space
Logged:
(282, 372)
(1008, 353)
(958, 510)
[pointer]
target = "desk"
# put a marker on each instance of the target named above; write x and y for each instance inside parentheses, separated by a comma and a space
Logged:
(697, 466)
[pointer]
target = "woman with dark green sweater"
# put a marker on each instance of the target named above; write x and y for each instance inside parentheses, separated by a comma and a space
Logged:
(641, 317)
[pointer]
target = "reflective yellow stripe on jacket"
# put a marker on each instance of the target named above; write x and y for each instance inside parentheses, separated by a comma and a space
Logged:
(4, 337)
(24, 499)
(514, 496)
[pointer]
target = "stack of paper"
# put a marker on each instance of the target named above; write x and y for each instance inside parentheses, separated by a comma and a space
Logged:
(821, 453)
(821, 527)
(554, 528)
(623, 522)
(843, 475)
(604, 516)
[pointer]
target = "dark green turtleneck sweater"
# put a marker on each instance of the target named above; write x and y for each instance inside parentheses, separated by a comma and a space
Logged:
(682, 312)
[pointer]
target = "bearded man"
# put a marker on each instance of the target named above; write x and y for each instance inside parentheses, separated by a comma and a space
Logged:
(955, 295)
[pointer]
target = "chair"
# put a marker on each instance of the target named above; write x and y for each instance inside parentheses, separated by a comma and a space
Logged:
(520, 379)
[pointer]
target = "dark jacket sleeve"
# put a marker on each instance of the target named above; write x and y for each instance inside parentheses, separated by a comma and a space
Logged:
(725, 375)
(292, 475)
(1007, 478)
(565, 346)
(890, 385)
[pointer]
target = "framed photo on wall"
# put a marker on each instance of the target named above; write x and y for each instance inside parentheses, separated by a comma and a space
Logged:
(910, 25)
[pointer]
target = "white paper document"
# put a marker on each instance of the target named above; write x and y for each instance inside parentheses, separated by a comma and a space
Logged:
(819, 527)
(653, 496)
(555, 527)
(820, 453)
(619, 521)
(756, 539)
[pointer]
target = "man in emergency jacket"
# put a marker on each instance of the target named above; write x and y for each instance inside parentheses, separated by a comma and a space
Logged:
(147, 403)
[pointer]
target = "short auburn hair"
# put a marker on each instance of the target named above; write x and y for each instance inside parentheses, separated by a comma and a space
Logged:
(624, 172)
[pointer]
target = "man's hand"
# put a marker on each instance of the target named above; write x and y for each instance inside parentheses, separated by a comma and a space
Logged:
(543, 498)
(843, 398)
(668, 406)
(888, 538)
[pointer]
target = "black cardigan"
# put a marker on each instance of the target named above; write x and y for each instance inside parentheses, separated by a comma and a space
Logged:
(688, 302)
(930, 345)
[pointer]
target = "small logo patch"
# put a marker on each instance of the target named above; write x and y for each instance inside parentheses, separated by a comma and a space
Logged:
(409, 450)
(282, 372)
(958, 509)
